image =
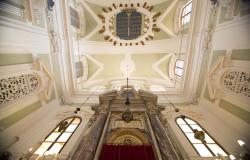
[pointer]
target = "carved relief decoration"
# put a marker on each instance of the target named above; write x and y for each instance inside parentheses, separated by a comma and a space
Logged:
(127, 139)
(237, 82)
(127, 136)
(20, 81)
(18, 86)
(131, 124)
(229, 78)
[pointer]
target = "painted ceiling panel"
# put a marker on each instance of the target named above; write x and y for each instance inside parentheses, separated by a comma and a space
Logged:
(168, 21)
(96, 8)
(164, 66)
(111, 64)
(161, 35)
(143, 65)
(89, 21)
(108, 3)
(162, 6)
(92, 67)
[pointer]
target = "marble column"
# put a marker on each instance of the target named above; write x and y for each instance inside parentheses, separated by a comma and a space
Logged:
(87, 147)
(164, 144)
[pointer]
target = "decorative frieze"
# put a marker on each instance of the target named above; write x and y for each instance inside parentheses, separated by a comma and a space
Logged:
(20, 81)
(237, 83)
(18, 86)
(228, 77)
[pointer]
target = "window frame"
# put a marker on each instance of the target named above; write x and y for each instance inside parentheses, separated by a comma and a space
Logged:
(60, 134)
(205, 132)
(181, 18)
(73, 9)
(177, 67)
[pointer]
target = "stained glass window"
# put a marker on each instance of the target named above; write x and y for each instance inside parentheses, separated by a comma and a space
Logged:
(57, 139)
(205, 148)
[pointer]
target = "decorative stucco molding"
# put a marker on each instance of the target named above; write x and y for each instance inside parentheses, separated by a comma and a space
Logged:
(228, 78)
(17, 84)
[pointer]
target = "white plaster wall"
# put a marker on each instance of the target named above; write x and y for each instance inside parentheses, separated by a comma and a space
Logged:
(225, 128)
(233, 34)
(19, 37)
(35, 127)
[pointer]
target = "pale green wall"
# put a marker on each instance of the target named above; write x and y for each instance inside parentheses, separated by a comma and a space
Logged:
(97, 9)
(207, 96)
(13, 59)
(12, 16)
(216, 54)
(17, 116)
(89, 20)
(92, 67)
(237, 12)
(161, 7)
(203, 72)
(169, 19)
(164, 66)
(46, 60)
(235, 110)
(111, 65)
(204, 67)
(241, 54)
(143, 65)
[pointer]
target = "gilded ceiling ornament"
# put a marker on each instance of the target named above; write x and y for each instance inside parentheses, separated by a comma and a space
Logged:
(129, 24)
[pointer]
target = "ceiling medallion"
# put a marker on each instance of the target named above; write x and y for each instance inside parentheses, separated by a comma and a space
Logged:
(129, 24)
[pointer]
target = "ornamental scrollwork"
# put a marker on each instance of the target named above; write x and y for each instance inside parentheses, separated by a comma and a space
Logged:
(18, 86)
(237, 82)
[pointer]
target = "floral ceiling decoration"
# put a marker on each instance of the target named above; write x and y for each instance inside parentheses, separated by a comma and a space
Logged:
(129, 24)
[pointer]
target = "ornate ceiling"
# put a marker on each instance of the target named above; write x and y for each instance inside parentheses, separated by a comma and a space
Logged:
(149, 66)
(109, 2)
(165, 21)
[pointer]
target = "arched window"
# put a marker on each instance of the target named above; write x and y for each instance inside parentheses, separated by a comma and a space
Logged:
(203, 143)
(56, 140)
(178, 69)
(186, 13)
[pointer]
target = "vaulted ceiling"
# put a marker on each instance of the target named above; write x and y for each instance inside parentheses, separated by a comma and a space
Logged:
(148, 65)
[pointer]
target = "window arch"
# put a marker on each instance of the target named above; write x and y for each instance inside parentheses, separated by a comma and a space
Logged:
(203, 143)
(186, 14)
(56, 140)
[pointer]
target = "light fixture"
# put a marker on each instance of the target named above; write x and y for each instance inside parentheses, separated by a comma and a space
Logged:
(127, 116)
(109, 21)
(232, 157)
(62, 126)
(200, 135)
(241, 143)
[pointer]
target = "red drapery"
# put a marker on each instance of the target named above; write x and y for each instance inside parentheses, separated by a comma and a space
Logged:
(127, 152)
